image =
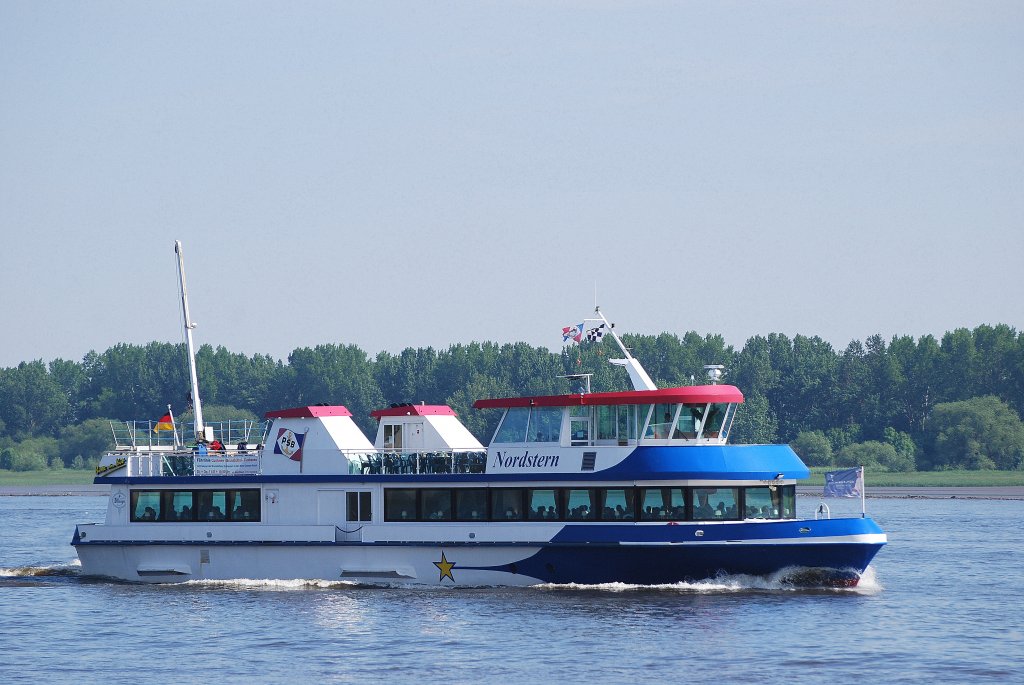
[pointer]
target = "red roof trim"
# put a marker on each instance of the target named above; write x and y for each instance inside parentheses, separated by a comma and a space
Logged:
(311, 412)
(697, 394)
(415, 410)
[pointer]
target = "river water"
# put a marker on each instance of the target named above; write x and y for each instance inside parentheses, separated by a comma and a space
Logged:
(941, 603)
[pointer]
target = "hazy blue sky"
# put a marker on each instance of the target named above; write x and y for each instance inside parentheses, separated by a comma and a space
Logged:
(412, 174)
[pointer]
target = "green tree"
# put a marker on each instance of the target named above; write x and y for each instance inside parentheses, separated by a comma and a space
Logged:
(869, 454)
(979, 433)
(814, 448)
(906, 449)
(88, 440)
(755, 422)
(31, 402)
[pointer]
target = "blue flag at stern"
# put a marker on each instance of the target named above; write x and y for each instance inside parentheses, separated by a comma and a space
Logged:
(844, 483)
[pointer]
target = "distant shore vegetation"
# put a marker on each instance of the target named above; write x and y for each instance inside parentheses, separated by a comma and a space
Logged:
(904, 405)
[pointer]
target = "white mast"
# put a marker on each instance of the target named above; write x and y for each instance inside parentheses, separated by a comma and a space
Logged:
(639, 377)
(189, 325)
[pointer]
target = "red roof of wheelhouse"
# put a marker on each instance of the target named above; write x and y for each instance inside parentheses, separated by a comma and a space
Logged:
(695, 394)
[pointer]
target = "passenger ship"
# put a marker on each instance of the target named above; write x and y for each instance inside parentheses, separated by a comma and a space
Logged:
(588, 487)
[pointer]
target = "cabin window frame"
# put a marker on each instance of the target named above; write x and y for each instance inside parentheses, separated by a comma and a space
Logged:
(499, 438)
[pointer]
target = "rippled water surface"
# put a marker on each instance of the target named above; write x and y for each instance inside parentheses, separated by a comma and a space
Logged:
(941, 603)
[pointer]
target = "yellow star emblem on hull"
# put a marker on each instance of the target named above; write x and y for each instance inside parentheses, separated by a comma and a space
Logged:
(445, 567)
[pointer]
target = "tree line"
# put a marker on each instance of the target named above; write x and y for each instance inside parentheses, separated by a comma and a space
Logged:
(900, 404)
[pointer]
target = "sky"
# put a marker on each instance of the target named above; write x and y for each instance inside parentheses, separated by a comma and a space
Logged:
(393, 174)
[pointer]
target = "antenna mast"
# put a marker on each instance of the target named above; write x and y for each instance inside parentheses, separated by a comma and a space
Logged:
(189, 325)
(637, 374)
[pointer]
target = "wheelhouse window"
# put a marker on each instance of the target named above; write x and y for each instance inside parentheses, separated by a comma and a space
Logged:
(711, 504)
(714, 420)
(399, 504)
(689, 422)
(662, 504)
(606, 418)
(507, 504)
(542, 504)
(662, 417)
(545, 424)
(626, 423)
(513, 425)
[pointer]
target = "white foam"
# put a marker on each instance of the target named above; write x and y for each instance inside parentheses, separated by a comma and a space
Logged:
(781, 581)
(269, 583)
(70, 568)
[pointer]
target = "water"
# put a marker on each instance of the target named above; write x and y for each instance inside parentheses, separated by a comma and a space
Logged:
(941, 603)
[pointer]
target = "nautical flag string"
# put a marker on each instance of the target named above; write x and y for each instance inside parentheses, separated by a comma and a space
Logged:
(595, 334)
(572, 334)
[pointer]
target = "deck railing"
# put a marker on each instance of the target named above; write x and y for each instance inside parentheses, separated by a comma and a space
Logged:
(168, 461)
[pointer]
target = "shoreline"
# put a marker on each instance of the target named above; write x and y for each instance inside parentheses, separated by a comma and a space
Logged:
(966, 492)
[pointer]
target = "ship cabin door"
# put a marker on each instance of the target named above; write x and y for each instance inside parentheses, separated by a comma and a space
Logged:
(579, 426)
(414, 437)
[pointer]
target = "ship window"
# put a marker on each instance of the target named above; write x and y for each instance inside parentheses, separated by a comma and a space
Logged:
(788, 501)
(543, 505)
(244, 505)
(607, 423)
(579, 505)
(713, 422)
(393, 436)
(762, 503)
(507, 504)
(357, 505)
(513, 426)
(399, 504)
(627, 423)
(545, 424)
(663, 504)
(436, 505)
(661, 421)
(689, 422)
(471, 504)
(714, 504)
(730, 414)
(211, 505)
(617, 504)
(145, 505)
(177, 505)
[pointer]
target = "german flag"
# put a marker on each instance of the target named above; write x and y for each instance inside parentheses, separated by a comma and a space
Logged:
(166, 423)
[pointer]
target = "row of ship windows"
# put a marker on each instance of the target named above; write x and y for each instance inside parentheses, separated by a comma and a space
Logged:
(195, 505)
(590, 504)
(614, 423)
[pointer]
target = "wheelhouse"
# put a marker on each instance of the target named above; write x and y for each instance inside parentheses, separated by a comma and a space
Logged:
(697, 415)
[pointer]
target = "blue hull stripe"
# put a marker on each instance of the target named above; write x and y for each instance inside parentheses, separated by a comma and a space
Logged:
(680, 563)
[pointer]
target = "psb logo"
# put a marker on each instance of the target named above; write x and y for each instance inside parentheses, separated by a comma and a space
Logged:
(289, 444)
